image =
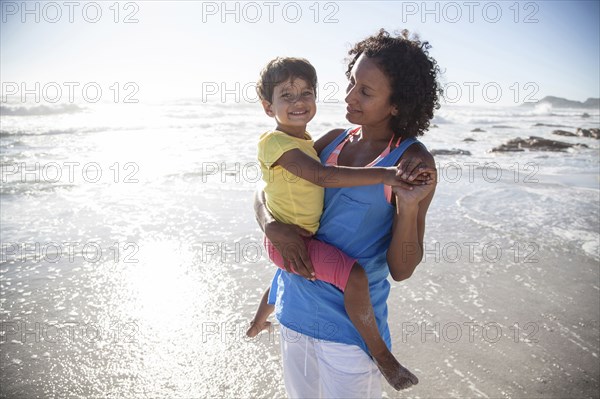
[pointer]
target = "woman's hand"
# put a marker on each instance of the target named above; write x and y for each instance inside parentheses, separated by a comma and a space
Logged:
(414, 195)
(288, 240)
(420, 174)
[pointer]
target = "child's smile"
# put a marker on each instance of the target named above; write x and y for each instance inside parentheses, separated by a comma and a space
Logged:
(293, 106)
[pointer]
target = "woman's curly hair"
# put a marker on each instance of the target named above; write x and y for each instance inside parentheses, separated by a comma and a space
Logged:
(413, 77)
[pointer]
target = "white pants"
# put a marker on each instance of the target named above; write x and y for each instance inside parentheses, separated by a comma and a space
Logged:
(323, 369)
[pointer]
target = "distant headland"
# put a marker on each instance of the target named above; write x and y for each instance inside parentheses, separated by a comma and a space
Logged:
(559, 102)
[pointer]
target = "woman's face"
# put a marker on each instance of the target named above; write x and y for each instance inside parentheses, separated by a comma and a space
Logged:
(368, 95)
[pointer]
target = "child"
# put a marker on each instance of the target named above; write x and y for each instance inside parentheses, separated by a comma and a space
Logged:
(294, 178)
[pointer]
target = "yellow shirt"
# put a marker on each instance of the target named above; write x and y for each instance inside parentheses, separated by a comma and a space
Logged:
(290, 198)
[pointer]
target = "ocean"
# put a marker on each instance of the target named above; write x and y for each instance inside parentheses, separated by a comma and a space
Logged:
(131, 263)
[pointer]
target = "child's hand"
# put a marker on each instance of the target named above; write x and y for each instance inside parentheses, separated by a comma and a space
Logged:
(392, 178)
(395, 178)
(415, 170)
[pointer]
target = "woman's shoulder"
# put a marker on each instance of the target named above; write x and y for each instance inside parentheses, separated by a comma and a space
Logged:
(326, 139)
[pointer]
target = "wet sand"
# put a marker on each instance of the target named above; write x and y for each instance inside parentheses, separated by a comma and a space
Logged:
(470, 322)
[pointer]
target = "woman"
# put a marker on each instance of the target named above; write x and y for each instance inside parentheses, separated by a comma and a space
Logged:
(391, 95)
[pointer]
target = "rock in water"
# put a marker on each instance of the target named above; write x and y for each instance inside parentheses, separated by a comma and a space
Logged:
(534, 143)
(549, 125)
(563, 133)
(511, 146)
(477, 130)
(593, 133)
(453, 151)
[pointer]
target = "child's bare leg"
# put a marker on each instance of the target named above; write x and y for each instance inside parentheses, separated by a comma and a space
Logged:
(358, 306)
(263, 312)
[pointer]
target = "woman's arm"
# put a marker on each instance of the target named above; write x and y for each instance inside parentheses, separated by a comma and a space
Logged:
(287, 238)
(408, 231)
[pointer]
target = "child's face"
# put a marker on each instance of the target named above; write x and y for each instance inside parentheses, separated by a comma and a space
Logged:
(293, 106)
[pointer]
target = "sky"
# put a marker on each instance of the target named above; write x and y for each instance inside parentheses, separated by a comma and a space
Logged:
(491, 53)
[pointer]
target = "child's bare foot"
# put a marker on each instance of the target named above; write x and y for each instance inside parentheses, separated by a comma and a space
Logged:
(396, 375)
(256, 327)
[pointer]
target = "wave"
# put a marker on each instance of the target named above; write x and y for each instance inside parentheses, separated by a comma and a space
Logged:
(550, 213)
(52, 132)
(196, 115)
(541, 109)
(40, 110)
(15, 143)
(439, 120)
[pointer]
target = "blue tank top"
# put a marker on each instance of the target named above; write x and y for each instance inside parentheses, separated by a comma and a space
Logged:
(357, 220)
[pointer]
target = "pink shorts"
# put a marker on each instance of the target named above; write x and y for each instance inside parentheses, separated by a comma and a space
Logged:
(331, 265)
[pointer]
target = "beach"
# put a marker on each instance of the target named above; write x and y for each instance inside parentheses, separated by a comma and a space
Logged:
(131, 261)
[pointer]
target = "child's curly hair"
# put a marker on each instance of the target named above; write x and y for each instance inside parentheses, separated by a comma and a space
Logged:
(281, 69)
(413, 77)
